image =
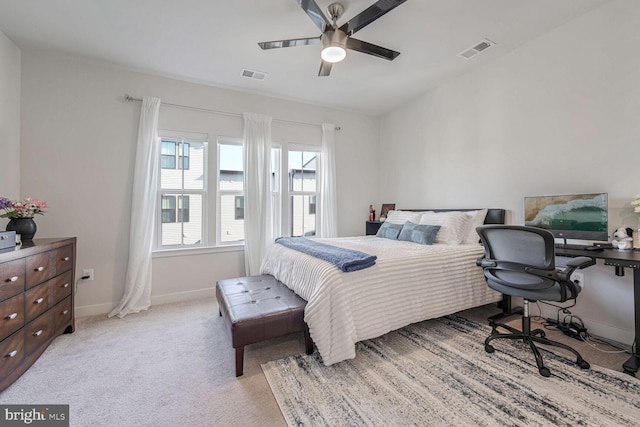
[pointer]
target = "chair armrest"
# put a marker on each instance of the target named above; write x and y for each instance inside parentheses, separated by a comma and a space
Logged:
(573, 264)
(485, 262)
(581, 262)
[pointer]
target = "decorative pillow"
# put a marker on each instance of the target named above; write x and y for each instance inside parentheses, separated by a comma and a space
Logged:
(416, 233)
(389, 230)
(453, 225)
(400, 217)
(476, 220)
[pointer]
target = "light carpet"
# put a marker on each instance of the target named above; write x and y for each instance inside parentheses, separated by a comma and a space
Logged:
(436, 373)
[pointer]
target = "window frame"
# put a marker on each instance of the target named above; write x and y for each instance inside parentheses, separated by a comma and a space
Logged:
(182, 138)
(225, 140)
(287, 192)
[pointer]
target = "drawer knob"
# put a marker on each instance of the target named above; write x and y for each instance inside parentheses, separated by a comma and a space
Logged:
(65, 258)
(39, 301)
(37, 333)
(66, 285)
(11, 316)
(39, 269)
(12, 353)
(65, 312)
(13, 279)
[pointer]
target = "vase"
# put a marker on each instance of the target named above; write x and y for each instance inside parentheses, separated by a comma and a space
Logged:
(636, 239)
(25, 227)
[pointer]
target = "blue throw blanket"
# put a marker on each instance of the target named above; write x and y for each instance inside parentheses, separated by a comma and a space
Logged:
(345, 259)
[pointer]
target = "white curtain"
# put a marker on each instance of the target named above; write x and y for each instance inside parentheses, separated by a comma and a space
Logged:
(328, 226)
(258, 210)
(137, 290)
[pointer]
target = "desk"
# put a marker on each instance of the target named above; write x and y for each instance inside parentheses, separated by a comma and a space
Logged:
(619, 260)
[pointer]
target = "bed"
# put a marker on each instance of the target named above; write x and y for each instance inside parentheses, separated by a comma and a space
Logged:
(409, 282)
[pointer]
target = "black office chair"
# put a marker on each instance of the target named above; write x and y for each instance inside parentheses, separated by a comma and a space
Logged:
(520, 261)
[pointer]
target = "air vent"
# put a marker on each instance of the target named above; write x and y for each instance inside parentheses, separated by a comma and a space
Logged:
(256, 75)
(479, 47)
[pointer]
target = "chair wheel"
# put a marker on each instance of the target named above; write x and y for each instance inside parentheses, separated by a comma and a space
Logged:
(544, 371)
(489, 348)
(583, 364)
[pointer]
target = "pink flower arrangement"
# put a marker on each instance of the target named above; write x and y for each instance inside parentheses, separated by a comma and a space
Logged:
(26, 208)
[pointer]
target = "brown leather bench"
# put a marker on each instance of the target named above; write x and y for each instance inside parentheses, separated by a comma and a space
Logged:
(260, 308)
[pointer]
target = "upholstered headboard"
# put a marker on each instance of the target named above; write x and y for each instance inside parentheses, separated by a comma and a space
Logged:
(494, 216)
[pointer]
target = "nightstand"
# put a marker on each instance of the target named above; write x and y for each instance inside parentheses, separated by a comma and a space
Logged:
(372, 227)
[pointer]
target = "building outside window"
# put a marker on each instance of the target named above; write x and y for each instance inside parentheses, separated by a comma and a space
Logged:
(182, 194)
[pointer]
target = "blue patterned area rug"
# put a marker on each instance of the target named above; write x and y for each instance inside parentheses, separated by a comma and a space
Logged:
(436, 373)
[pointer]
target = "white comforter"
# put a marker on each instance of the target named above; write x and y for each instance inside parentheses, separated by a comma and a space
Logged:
(409, 283)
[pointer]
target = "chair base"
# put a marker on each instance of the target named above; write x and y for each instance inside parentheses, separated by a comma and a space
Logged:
(530, 337)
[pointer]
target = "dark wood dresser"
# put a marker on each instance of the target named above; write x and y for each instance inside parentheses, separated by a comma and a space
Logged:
(36, 302)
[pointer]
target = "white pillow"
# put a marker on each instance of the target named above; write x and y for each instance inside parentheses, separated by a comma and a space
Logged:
(453, 225)
(476, 220)
(400, 217)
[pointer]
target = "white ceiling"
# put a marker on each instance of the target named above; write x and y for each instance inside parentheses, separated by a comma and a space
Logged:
(211, 41)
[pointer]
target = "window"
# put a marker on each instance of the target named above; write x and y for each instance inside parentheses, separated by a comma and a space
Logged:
(230, 191)
(172, 150)
(171, 211)
(312, 205)
(182, 196)
(239, 207)
(302, 192)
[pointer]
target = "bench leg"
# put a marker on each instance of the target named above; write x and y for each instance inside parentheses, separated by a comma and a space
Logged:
(308, 342)
(239, 360)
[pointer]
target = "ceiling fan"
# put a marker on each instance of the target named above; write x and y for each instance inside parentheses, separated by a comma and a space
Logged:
(336, 40)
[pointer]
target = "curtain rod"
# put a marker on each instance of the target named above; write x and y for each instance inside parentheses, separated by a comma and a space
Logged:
(130, 98)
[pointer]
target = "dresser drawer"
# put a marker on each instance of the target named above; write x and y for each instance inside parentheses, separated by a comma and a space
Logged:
(11, 315)
(62, 314)
(64, 259)
(38, 332)
(12, 278)
(11, 353)
(40, 267)
(37, 301)
(61, 286)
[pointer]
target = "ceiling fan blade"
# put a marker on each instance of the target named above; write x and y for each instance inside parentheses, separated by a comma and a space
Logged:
(325, 68)
(371, 49)
(289, 43)
(369, 15)
(314, 12)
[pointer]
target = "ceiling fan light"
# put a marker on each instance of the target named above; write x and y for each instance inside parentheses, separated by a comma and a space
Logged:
(333, 54)
(334, 46)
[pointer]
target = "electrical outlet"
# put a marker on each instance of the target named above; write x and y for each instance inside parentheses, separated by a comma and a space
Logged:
(578, 278)
(88, 272)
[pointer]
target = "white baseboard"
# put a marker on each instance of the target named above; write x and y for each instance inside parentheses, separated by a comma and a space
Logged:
(183, 296)
(98, 309)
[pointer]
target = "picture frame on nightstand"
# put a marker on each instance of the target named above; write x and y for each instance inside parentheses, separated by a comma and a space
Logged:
(386, 207)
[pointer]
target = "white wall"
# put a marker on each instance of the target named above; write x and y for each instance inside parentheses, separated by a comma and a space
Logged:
(78, 146)
(559, 115)
(9, 120)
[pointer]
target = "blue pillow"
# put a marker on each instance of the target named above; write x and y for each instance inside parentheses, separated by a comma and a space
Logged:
(389, 231)
(419, 233)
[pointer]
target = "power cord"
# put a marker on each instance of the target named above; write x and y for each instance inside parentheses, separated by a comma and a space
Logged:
(75, 290)
(591, 341)
(573, 326)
